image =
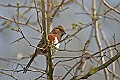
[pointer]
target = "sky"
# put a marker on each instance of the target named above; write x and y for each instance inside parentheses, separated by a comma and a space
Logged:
(65, 18)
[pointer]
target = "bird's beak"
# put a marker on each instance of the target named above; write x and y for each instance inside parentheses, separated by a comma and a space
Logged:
(64, 33)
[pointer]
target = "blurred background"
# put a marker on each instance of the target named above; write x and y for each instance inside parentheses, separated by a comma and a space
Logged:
(73, 13)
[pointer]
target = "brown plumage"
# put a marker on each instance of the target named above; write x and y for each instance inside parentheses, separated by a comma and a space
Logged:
(54, 37)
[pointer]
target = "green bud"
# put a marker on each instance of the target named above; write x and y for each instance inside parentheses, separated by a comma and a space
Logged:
(13, 29)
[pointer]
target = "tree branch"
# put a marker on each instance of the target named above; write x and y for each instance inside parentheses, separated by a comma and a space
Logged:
(103, 66)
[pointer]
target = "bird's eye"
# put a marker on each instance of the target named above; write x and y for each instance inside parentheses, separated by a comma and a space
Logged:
(60, 29)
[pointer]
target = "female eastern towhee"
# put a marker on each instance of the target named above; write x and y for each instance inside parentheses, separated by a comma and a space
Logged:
(54, 38)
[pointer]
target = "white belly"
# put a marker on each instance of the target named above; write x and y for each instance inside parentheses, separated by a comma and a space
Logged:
(56, 42)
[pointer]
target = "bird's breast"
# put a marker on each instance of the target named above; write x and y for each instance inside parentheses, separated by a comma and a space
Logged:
(54, 40)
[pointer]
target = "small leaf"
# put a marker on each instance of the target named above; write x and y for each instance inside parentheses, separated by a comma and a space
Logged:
(68, 35)
(74, 25)
(13, 29)
(51, 17)
(18, 40)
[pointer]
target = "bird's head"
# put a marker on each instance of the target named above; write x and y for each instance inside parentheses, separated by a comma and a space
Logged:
(58, 30)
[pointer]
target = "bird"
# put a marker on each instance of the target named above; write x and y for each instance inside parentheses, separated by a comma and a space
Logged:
(54, 38)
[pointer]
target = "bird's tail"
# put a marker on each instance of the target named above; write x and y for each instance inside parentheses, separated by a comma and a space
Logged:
(29, 63)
